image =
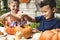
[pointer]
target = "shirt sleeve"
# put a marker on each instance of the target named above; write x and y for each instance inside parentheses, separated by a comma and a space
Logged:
(38, 18)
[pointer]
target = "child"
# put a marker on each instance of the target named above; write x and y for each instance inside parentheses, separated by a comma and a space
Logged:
(14, 7)
(47, 20)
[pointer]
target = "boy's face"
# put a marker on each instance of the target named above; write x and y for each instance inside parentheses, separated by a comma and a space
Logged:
(47, 12)
(14, 7)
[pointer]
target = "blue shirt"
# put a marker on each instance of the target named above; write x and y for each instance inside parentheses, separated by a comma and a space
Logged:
(47, 24)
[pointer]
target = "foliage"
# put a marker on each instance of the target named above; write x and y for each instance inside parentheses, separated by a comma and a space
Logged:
(34, 25)
(1, 25)
(58, 6)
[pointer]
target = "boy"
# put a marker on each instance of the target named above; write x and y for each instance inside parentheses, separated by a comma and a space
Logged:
(47, 20)
(14, 7)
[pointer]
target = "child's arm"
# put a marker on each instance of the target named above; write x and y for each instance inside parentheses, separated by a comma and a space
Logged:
(28, 18)
(14, 17)
(4, 15)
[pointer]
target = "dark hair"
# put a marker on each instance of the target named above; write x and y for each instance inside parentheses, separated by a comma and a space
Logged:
(51, 3)
(17, 1)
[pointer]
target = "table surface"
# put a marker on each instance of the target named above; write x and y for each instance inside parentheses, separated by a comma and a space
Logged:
(35, 36)
(8, 36)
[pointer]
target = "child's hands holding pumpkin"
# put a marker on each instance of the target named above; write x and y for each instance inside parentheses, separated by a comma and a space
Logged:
(35, 30)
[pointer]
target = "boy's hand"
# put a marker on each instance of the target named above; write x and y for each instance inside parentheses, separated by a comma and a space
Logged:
(24, 17)
(28, 18)
(35, 30)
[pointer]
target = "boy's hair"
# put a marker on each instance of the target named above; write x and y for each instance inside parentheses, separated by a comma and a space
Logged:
(17, 1)
(14, 1)
(51, 3)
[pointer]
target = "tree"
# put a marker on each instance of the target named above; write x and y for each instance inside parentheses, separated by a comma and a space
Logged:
(58, 5)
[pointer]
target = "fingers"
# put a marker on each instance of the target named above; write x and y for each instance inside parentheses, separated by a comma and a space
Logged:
(25, 17)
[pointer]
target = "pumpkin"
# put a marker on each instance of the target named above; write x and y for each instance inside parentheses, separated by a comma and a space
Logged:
(10, 30)
(50, 35)
(26, 32)
(24, 1)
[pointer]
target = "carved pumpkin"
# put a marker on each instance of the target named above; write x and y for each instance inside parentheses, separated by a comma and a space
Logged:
(24, 1)
(26, 32)
(50, 35)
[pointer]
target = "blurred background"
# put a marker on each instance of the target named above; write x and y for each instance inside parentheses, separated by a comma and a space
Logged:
(29, 7)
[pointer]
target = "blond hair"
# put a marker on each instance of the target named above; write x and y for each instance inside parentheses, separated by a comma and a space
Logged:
(16, 2)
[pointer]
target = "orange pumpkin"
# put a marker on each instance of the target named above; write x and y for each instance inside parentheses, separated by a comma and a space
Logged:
(24, 1)
(10, 30)
(50, 35)
(26, 31)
